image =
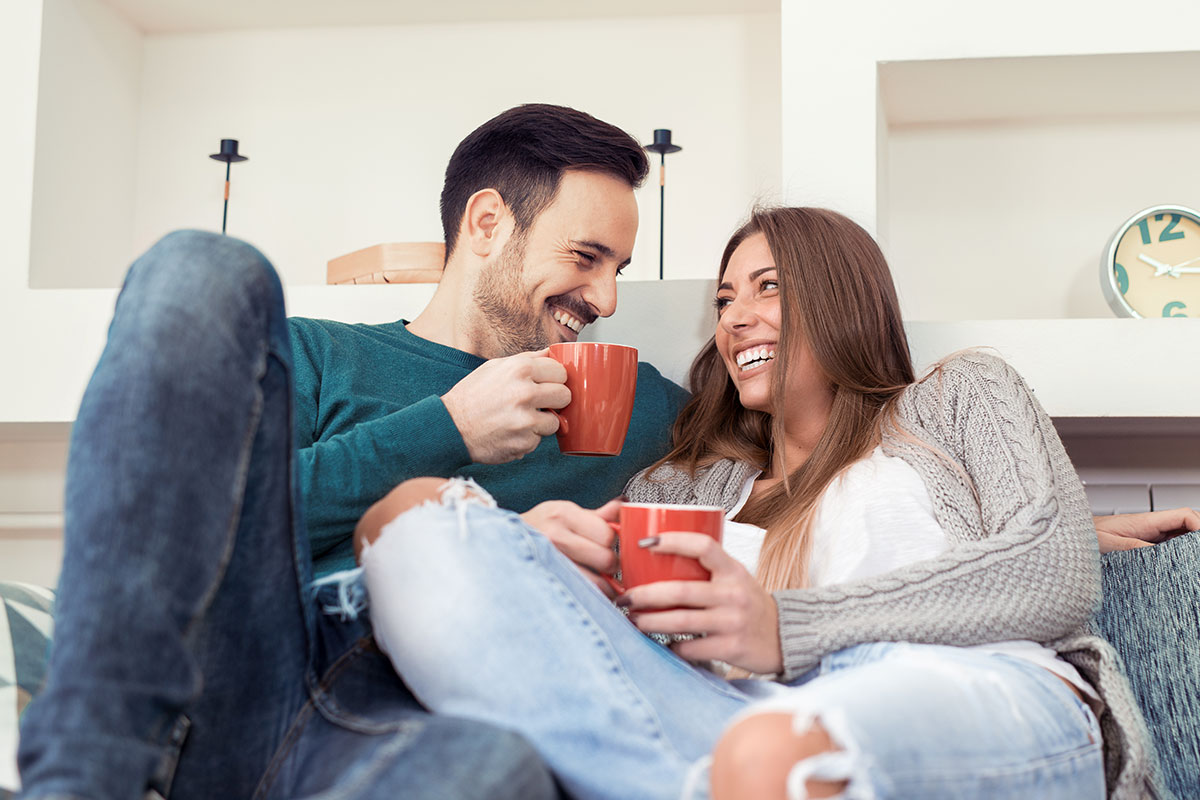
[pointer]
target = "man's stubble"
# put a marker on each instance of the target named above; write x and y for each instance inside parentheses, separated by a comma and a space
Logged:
(506, 315)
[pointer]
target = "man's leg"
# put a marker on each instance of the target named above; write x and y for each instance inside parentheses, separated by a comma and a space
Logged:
(185, 635)
(180, 577)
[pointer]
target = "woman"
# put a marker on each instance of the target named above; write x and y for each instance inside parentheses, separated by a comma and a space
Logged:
(911, 561)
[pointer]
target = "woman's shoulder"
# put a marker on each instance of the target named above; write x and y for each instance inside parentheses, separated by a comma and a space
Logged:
(975, 373)
(719, 483)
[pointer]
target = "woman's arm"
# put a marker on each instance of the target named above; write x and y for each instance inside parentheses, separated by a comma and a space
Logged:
(1023, 561)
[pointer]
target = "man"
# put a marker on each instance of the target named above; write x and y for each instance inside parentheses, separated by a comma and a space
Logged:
(191, 655)
(539, 218)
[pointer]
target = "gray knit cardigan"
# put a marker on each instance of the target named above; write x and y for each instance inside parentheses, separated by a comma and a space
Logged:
(1023, 561)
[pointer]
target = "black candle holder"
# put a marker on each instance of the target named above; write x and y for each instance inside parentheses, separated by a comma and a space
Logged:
(229, 154)
(662, 145)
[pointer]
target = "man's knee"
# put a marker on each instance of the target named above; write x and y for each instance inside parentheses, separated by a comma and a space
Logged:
(206, 269)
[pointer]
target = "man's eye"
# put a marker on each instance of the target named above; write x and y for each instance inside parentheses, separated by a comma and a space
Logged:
(586, 258)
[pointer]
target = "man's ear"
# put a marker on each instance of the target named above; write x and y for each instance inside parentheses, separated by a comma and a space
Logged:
(486, 223)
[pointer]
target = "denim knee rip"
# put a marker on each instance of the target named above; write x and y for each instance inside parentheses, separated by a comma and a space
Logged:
(843, 763)
(455, 493)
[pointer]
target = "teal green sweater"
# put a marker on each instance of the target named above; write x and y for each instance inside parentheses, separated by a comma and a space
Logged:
(369, 415)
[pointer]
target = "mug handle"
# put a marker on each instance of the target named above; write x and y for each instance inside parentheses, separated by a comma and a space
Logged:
(562, 421)
(609, 579)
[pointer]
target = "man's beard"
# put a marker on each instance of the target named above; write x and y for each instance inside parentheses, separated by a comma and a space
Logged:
(509, 319)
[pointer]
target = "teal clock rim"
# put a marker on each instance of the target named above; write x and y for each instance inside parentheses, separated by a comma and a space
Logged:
(1108, 281)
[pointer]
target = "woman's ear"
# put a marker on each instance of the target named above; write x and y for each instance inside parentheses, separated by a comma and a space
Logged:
(486, 223)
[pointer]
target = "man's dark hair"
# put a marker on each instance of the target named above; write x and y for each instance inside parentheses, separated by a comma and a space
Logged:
(522, 154)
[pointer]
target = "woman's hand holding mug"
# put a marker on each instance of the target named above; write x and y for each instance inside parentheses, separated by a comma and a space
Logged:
(737, 617)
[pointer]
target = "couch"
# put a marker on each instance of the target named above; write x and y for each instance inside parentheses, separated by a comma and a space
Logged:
(1150, 613)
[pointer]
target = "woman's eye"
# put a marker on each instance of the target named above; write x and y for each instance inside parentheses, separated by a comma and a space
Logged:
(719, 303)
(769, 284)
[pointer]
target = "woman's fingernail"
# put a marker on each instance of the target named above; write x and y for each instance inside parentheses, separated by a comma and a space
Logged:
(649, 541)
(624, 601)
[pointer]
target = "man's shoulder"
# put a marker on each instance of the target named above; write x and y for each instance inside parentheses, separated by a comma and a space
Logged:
(654, 382)
(324, 333)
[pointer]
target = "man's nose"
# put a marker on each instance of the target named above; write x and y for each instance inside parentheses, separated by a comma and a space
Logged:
(602, 294)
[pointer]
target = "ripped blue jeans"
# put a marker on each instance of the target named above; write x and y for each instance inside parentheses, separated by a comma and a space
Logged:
(485, 619)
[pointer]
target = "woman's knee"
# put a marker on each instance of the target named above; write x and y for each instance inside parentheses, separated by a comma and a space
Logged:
(407, 495)
(753, 758)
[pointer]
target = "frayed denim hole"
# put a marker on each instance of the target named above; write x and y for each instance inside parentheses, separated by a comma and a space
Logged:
(846, 762)
(459, 493)
(351, 592)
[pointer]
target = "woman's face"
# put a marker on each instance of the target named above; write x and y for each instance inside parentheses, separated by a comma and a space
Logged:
(748, 329)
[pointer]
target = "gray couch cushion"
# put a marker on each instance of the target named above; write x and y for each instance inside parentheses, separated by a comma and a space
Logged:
(1151, 615)
(25, 629)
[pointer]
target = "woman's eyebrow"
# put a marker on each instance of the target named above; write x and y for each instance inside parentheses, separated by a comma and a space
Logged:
(753, 275)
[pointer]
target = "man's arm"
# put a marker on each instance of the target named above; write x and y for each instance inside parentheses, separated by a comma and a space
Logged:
(1128, 531)
(342, 476)
(497, 413)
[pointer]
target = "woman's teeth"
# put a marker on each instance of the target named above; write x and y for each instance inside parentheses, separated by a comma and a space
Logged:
(566, 319)
(754, 357)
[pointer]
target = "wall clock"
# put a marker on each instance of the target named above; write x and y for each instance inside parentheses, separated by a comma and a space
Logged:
(1151, 266)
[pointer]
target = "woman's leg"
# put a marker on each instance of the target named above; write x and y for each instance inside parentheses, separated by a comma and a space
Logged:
(898, 720)
(485, 619)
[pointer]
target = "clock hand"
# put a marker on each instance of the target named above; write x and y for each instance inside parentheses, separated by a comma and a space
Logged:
(1175, 271)
(1185, 263)
(1159, 267)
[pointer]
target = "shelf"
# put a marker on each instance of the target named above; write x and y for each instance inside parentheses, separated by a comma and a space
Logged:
(1087, 368)
(188, 16)
(1002, 179)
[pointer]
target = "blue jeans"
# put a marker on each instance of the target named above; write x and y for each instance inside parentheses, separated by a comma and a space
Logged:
(485, 619)
(190, 656)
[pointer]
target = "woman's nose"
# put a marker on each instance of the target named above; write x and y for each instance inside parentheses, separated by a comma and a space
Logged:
(737, 314)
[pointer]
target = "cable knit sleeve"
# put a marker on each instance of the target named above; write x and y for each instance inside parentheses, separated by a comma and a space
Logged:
(1023, 561)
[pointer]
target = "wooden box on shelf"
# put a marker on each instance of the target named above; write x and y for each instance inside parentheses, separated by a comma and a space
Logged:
(395, 262)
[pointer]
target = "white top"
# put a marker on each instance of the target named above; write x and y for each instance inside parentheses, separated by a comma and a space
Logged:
(875, 517)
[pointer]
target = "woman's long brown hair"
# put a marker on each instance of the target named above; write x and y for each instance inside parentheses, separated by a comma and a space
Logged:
(837, 299)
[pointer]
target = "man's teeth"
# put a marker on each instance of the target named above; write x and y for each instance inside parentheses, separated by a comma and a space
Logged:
(566, 319)
(754, 356)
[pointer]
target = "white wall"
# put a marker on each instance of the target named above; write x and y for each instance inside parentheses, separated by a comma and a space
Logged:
(348, 131)
(1016, 216)
(87, 145)
(829, 69)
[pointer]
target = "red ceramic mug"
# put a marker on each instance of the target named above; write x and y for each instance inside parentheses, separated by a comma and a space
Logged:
(640, 520)
(603, 380)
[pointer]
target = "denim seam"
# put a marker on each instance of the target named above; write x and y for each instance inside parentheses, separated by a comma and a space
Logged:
(295, 730)
(366, 777)
(167, 723)
(240, 478)
(334, 712)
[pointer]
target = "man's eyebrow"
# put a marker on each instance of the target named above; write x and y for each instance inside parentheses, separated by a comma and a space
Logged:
(753, 275)
(600, 248)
